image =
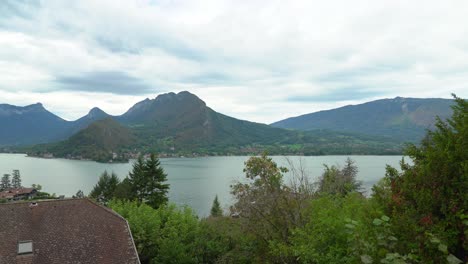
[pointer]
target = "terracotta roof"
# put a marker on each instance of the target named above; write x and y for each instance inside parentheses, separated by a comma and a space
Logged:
(65, 231)
(10, 193)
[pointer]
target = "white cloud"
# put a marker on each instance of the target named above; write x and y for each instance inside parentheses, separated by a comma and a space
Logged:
(244, 58)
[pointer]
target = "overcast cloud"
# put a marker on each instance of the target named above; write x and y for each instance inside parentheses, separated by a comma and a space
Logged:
(259, 60)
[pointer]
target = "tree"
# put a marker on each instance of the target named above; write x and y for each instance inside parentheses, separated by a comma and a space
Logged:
(104, 190)
(79, 194)
(147, 179)
(338, 181)
(430, 198)
(16, 179)
(216, 210)
(268, 208)
(123, 191)
(5, 183)
(38, 187)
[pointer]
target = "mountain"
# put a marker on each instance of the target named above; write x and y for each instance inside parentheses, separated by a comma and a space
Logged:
(97, 142)
(404, 119)
(33, 124)
(30, 124)
(182, 124)
(94, 114)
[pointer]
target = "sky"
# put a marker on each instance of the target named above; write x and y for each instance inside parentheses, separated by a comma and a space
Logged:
(259, 60)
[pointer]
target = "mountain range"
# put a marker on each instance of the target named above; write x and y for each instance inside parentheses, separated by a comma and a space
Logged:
(404, 119)
(183, 124)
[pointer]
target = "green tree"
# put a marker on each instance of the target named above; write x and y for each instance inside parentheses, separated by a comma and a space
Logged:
(104, 190)
(123, 191)
(267, 207)
(338, 181)
(5, 183)
(430, 198)
(216, 210)
(79, 194)
(16, 179)
(38, 187)
(164, 235)
(148, 181)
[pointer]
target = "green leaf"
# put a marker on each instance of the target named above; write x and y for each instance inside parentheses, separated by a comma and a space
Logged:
(377, 222)
(435, 240)
(385, 218)
(443, 248)
(366, 259)
(451, 259)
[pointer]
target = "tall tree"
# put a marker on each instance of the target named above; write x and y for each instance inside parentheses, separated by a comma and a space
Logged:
(105, 187)
(430, 197)
(338, 181)
(5, 183)
(16, 179)
(147, 179)
(155, 189)
(216, 210)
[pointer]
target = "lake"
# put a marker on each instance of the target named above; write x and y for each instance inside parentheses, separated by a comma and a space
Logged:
(193, 181)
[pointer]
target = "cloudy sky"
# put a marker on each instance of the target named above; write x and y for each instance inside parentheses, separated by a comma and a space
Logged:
(260, 60)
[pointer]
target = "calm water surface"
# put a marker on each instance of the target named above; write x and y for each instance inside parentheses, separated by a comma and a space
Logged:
(193, 181)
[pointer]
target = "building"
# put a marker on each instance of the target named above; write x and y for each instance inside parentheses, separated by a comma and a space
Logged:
(15, 194)
(64, 231)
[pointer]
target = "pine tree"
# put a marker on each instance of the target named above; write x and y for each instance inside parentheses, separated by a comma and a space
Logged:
(136, 178)
(79, 194)
(216, 210)
(155, 189)
(16, 179)
(147, 181)
(105, 188)
(5, 183)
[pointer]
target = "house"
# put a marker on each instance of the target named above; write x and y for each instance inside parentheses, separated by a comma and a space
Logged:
(18, 194)
(64, 231)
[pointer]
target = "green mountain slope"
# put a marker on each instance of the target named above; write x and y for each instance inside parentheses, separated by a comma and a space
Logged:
(99, 141)
(182, 124)
(404, 119)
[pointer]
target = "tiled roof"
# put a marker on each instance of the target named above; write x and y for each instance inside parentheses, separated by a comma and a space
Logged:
(65, 231)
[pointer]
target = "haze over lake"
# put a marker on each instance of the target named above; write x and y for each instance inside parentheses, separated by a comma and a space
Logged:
(193, 181)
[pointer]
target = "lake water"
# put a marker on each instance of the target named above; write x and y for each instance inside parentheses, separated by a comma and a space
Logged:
(193, 181)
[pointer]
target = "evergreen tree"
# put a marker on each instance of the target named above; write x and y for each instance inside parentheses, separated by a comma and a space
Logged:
(147, 181)
(216, 210)
(338, 181)
(16, 179)
(155, 189)
(105, 187)
(136, 178)
(430, 197)
(5, 183)
(79, 194)
(124, 190)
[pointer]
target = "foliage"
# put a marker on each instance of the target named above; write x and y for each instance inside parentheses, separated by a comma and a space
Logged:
(163, 235)
(430, 197)
(324, 239)
(338, 181)
(104, 189)
(79, 194)
(38, 187)
(16, 179)
(216, 209)
(147, 180)
(5, 182)
(268, 208)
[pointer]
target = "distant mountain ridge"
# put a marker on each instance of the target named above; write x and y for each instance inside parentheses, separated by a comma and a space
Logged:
(405, 119)
(182, 124)
(33, 124)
